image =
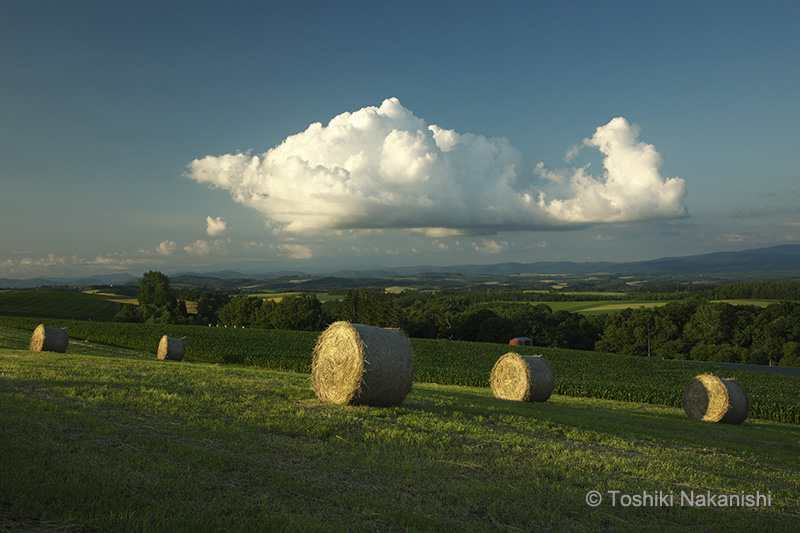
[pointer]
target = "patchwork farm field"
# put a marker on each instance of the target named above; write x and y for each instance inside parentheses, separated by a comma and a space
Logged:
(105, 438)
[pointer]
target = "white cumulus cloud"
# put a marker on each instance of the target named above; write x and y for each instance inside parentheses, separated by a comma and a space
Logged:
(203, 247)
(383, 167)
(296, 251)
(631, 188)
(490, 246)
(215, 226)
(167, 247)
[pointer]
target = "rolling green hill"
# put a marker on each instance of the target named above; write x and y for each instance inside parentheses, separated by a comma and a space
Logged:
(446, 362)
(57, 304)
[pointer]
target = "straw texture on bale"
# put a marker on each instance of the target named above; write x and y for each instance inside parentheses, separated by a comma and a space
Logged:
(712, 399)
(47, 339)
(522, 378)
(171, 348)
(362, 365)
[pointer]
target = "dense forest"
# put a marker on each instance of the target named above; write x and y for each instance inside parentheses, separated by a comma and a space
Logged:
(706, 331)
(689, 327)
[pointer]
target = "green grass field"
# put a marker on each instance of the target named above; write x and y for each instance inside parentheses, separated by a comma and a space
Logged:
(578, 373)
(111, 439)
(58, 304)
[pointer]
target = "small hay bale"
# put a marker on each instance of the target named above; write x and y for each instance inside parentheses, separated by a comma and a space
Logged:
(362, 365)
(712, 399)
(522, 378)
(171, 348)
(47, 339)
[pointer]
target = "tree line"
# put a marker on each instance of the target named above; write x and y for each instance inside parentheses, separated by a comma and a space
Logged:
(701, 330)
(692, 328)
(751, 290)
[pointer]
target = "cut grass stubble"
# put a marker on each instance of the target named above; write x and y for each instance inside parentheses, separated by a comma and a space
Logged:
(131, 443)
(577, 373)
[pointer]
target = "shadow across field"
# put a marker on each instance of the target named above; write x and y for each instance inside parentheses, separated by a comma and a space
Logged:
(592, 420)
(132, 444)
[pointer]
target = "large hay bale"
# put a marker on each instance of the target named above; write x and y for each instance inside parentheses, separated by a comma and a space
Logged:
(171, 348)
(522, 378)
(362, 365)
(712, 399)
(49, 339)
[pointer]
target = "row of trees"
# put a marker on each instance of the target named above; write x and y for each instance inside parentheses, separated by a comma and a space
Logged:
(453, 316)
(770, 290)
(767, 290)
(445, 316)
(706, 331)
(305, 312)
(686, 329)
(301, 312)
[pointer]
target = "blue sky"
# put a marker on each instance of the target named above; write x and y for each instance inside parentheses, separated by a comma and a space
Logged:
(257, 136)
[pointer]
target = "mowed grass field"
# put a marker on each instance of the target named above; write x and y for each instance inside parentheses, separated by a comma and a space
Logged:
(577, 373)
(110, 439)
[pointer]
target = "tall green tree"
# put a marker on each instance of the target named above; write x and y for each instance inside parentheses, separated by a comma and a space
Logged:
(157, 300)
(154, 290)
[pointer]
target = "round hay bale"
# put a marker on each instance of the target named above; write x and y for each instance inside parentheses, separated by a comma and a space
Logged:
(47, 339)
(712, 399)
(171, 348)
(522, 378)
(362, 365)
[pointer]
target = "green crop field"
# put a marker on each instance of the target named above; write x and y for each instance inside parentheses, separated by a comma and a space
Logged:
(578, 373)
(104, 438)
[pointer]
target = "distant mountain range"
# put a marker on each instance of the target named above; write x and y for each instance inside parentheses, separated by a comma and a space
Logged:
(108, 279)
(784, 258)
